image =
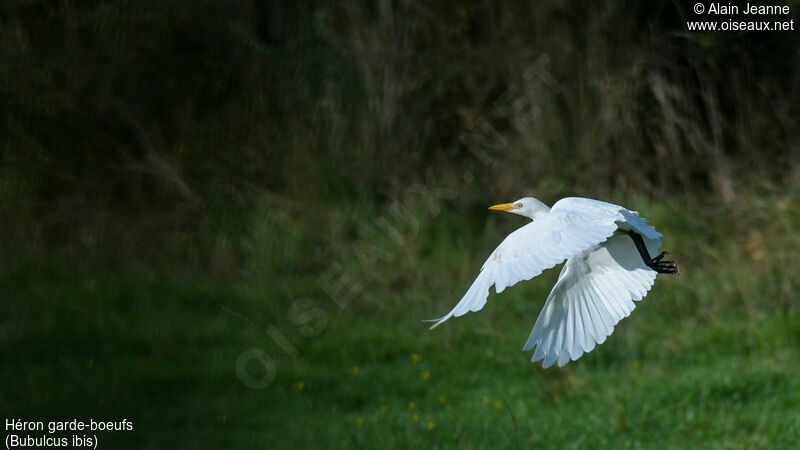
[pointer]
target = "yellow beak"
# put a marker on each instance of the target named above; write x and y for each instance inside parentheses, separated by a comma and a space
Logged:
(502, 207)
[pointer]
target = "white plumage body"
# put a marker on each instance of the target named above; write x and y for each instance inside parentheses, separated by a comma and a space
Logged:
(603, 276)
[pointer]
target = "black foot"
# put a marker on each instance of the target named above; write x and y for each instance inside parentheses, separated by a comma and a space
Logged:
(663, 266)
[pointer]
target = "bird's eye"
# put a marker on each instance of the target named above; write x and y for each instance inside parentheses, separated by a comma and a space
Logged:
(518, 205)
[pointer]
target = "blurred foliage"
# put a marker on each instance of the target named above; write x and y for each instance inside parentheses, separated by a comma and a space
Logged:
(128, 125)
(177, 177)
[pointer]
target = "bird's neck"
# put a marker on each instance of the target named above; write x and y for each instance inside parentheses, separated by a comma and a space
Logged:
(539, 213)
(537, 209)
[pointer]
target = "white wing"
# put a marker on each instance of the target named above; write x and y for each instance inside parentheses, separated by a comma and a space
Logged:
(595, 290)
(572, 226)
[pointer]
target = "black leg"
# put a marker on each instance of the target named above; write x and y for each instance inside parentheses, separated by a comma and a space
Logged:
(654, 263)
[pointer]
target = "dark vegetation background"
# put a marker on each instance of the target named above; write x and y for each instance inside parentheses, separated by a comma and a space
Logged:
(176, 175)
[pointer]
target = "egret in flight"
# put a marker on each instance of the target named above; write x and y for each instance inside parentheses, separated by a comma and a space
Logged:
(607, 248)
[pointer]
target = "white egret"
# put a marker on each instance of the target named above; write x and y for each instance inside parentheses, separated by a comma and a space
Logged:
(607, 248)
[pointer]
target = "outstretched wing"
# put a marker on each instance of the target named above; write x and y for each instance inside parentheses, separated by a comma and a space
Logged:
(595, 290)
(572, 226)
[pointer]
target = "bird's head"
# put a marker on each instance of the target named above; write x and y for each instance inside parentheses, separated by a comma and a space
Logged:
(526, 206)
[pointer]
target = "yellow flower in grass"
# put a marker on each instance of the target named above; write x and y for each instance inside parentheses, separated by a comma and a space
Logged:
(415, 358)
(355, 370)
(442, 399)
(411, 405)
(414, 418)
(384, 409)
(360, 421)
(498, 404)
(431, 425)
(299, 386)
(425, 374)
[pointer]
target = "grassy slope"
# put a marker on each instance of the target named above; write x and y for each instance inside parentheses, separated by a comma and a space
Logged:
(710, 358)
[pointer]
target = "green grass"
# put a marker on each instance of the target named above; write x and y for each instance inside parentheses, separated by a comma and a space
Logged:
(176, 177)
(707, 359)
